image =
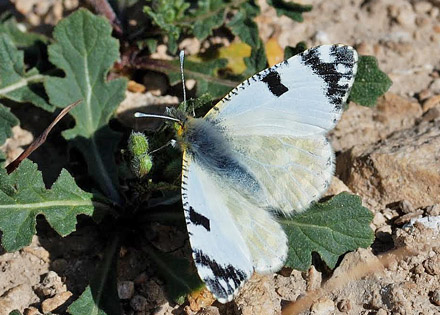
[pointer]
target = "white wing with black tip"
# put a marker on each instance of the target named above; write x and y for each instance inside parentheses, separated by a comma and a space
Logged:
(301, 96)
(230, 236)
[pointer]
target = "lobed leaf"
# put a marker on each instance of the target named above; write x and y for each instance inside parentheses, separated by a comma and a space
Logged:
(85, 51)
(290, 51)
(23, 196)
(330, 229)
(243, 26)
(370, 82)
(21, 38)
(208, 16)
(7, 121)
(290, 9)
(168, 15)
(15, 83)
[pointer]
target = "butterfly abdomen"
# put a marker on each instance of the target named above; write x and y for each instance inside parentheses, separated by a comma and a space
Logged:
(208, 145)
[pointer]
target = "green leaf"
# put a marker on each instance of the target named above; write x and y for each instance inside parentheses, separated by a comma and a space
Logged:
(256, 62)
(179, 275)
(15, 83)
(245, 28)
(20, 37)
(331, 229)
(370, 82)
(209, 15)
(101, 296)
(168, 16)
(15, 312)
(292, 51)
(7, 121)
(290, 9)
(85, 50)
(23, 196)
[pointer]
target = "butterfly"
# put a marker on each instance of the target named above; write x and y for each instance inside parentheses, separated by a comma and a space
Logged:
(261, 151)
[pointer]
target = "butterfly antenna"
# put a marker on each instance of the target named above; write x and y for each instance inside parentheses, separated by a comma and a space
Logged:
(171, 143)
(182, 58)
(139, 114)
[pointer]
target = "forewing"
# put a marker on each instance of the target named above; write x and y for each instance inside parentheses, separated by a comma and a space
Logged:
(301, 96)
(230, 236)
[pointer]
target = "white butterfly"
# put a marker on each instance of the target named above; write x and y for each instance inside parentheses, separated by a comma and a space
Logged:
(261, 150)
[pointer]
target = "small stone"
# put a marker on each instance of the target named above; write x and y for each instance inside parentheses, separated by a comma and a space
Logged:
(379, 219)
(425, 94)
(433, 210)
(418, 270)
(139, 303)
(344, 306)
(406, 16)
(125, 290)
(381, 311)
(407, 217)
(422, 7)
(432, 265)
(50, 285)
(31, 311)
(435, 86)
(386, 229)
(314, 279)
(406, 206)
(50, 304)
(210, 310)
(431, 103)
(432, 114)
(435, 298)
(323, 306)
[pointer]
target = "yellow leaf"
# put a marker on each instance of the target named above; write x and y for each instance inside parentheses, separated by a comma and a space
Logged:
(235, 53)
(274, 52)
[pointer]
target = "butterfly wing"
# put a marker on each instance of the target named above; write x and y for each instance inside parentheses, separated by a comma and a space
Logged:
(277, 120)
(274, 126)
(230, 236)
(301, 96)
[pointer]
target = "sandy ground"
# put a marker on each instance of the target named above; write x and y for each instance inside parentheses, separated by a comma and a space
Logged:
(389, 155)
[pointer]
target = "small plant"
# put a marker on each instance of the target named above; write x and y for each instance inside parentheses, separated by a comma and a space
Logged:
(81, 54)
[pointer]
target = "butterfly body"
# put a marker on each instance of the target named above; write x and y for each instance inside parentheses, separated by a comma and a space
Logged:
(261, 150)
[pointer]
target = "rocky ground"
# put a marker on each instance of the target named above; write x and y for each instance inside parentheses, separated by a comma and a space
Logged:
(389, 155)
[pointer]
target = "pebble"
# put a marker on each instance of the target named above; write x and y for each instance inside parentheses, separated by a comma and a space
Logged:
(379, 219)
(210, 310)
(435, 298)
(125, 290)
(422, 7)
(433, 210)
(314, 279)
(50, 304)
(344, 306)
(31, 311)
(432, 265)
(323, 306)
(406, 16)
(406, 206)
(381, 312)
(431, 103)
(139, 303)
